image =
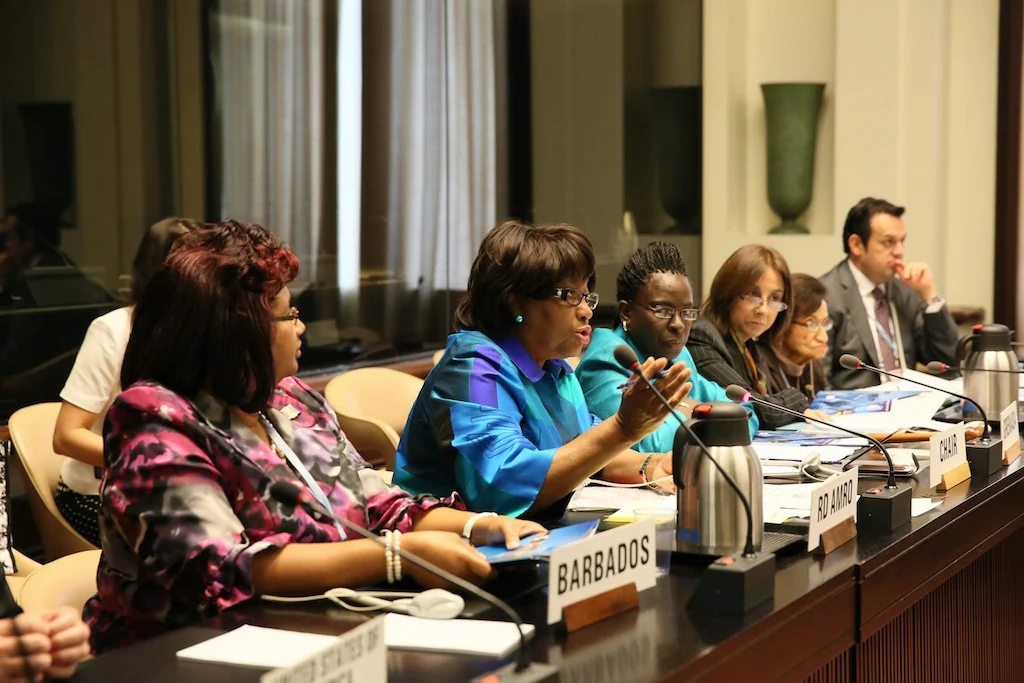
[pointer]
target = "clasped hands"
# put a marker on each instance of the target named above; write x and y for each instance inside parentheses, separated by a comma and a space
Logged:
(51, 643)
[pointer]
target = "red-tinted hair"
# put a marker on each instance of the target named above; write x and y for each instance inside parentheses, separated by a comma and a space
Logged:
(204, 320)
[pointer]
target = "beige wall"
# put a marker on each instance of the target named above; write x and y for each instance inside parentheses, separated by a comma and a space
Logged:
(909, 115)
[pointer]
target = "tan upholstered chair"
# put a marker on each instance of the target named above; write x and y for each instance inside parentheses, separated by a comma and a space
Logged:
(67, 581)
(32, 435)
(372, 406)
(438, 354)
(26, 566)
(573, 361)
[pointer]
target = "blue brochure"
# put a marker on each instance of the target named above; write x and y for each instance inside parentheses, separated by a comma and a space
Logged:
(846, 402)
(538, 548)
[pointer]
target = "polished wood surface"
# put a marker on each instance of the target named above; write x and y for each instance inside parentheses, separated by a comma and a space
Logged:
(934, 600)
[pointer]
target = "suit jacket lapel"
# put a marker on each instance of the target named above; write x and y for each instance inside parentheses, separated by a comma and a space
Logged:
(858, 316)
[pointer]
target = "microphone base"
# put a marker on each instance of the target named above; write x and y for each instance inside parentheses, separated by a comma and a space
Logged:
(735, 584)
(985, 456)
(883, 510)
(537, 672)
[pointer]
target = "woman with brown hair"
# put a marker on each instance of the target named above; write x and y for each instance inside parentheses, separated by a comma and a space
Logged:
(501, 418)
(748, 306)
(795, 358)
(211, 418)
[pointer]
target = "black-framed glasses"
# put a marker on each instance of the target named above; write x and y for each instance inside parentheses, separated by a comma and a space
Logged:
(813, 326)
(774, 304)
(293, 315)
(667, 312)
(573, 297)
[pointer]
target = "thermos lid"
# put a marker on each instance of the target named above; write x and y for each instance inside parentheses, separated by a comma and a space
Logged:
(992, 338)
(721, 424)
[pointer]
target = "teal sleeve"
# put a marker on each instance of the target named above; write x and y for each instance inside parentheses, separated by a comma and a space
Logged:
(601, 378)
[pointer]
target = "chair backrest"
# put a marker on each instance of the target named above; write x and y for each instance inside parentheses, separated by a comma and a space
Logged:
(372, 406)
(437, 355)
(31, 431)
(67, 581)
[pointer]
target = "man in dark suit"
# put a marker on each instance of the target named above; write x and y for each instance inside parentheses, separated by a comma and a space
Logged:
(885, 311)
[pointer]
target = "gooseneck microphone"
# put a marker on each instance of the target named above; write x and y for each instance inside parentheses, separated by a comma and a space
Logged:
(288, 493)
(985, 455)
(851, 362)
(884, 509)
(729, 585)
(938, 367)
(627, 359)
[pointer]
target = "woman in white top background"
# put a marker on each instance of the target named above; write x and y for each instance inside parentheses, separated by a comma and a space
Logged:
(94, 383)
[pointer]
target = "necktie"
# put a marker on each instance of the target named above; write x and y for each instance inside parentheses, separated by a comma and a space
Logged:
(883, 325)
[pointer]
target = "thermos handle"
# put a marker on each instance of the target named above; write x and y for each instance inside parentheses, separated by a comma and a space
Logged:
(961, 349)
(679, 445)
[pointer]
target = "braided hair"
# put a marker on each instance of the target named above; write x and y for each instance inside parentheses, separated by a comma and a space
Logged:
(656, 257)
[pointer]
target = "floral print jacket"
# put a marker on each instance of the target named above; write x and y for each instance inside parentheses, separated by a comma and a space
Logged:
(185, 504)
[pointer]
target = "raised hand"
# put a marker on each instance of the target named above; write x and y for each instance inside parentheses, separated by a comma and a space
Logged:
(917, 276)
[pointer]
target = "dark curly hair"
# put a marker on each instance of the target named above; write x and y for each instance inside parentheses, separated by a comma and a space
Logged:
(519, 259)
(204, 320)
(656, 257)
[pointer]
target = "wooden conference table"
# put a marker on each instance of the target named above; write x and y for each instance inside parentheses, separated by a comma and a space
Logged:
(940, 599)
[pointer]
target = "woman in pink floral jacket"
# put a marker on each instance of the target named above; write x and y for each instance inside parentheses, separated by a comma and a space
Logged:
(210, 419)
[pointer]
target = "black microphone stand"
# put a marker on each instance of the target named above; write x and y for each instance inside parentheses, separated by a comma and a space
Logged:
(985, 454)
(878, 509)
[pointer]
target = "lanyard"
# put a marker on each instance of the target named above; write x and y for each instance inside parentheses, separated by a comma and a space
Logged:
(293, 460)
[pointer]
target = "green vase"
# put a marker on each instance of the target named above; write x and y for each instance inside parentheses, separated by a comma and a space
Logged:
(678, 136)
(791, 116)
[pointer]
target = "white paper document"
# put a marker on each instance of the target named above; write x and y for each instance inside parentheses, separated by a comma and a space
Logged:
(919, 506)
(457, 636)
(255, 646)
(596, 498)
(782, 501)
(780, 453)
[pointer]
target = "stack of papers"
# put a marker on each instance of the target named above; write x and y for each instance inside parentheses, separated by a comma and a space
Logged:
(271, 648)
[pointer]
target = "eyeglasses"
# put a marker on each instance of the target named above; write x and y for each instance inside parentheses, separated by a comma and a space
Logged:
(293, 315)
(813, 326)
(667, 312)
(573, 297)
(774, 304)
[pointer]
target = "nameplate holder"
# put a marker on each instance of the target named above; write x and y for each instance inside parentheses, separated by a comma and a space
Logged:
(1008, 431)
(841, 533)
(832, 503)
(357, 655)
(588, 572)
(599, 607)
(948, 464)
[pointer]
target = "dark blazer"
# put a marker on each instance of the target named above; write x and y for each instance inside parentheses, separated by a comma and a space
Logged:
(719, 360)
(926, 336)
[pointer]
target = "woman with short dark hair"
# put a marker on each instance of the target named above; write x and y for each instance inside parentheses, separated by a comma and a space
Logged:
(95, 381)
(656, 311)
(795, 359)
(210, 419)
(501, 418)
(748, 307)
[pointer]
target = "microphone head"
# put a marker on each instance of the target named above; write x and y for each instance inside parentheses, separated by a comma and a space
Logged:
(850, 361)
(286, 493)
(625, 356)
(737, 393)
(937, 367)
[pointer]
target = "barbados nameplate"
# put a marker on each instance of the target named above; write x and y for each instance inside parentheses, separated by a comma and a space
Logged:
(600, 563)
(831, 503)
